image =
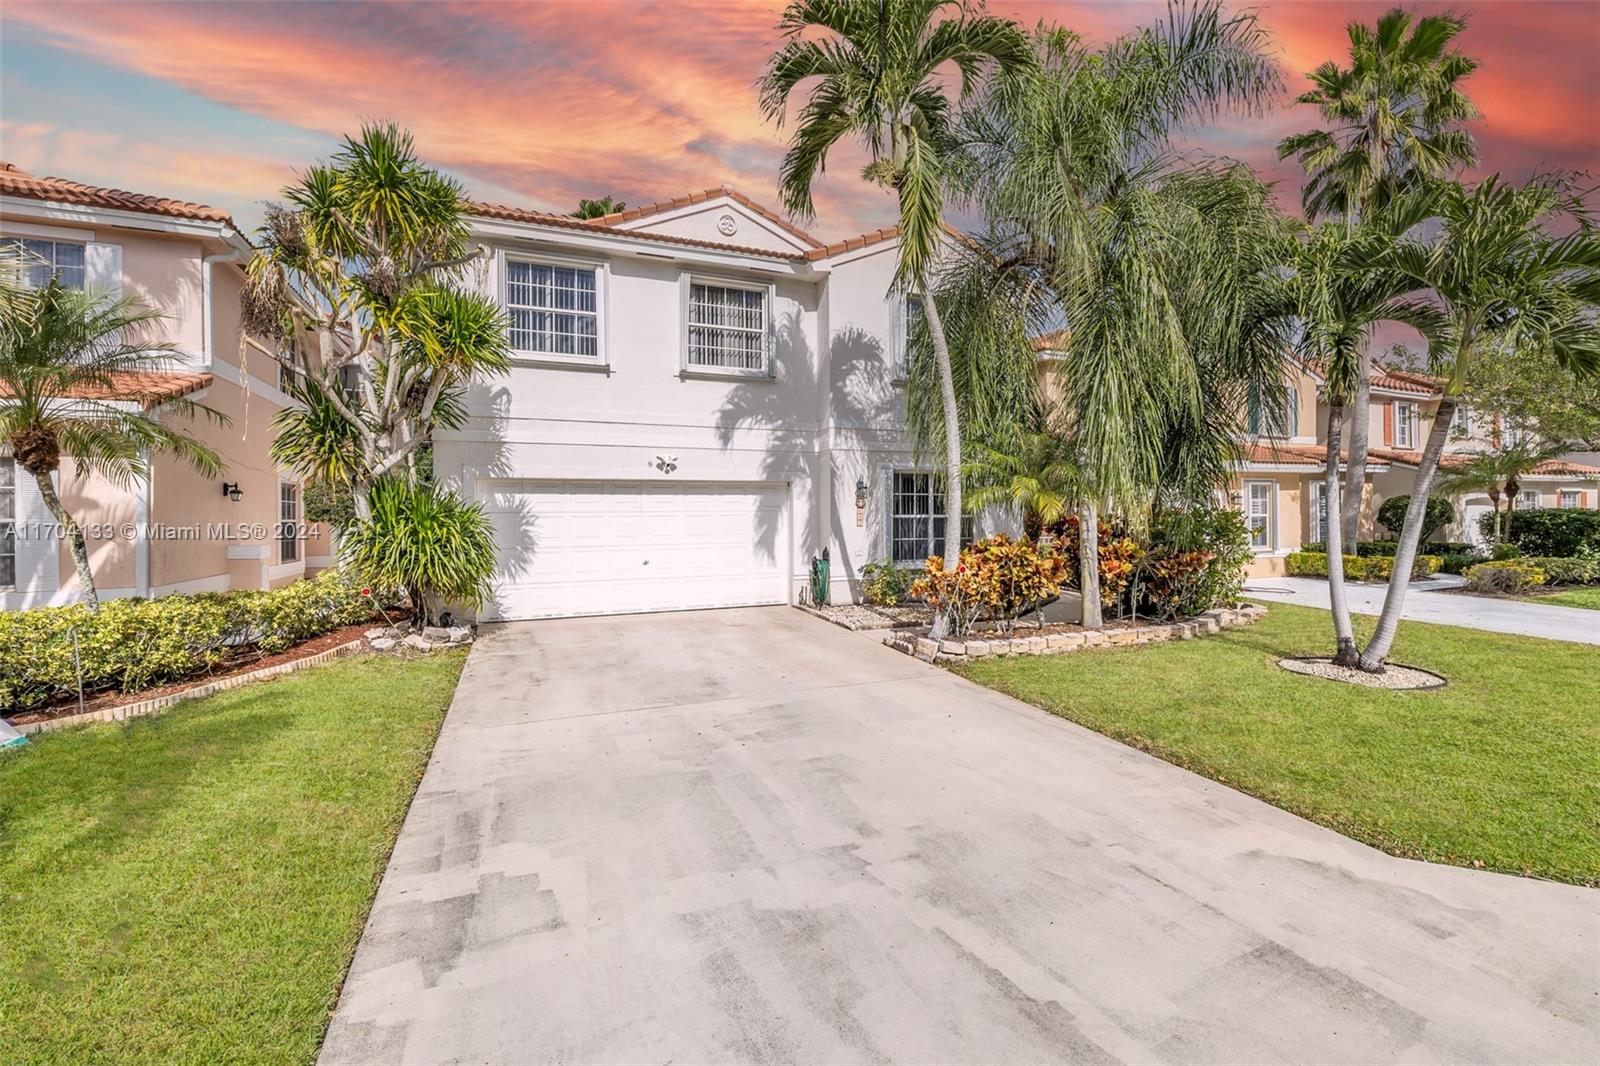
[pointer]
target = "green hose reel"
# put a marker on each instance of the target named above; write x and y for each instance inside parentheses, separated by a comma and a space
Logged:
(819, 579)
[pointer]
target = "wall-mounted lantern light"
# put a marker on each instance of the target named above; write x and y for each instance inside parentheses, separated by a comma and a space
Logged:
(861, 493)
(230, 489)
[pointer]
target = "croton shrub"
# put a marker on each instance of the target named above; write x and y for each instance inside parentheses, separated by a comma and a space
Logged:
(129, 644)
(998, 578)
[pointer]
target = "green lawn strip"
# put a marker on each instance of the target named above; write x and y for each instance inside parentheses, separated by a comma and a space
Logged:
(190, 886)
(1586, 596)
(1501, 767)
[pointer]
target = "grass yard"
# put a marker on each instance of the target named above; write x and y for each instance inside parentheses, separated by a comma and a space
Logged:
(1587, 596)
(1501, 768)
(190, 886)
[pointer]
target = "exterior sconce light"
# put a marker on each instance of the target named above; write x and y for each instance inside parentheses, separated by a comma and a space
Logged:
(230, 489)
(1238, 499)
(861, 493)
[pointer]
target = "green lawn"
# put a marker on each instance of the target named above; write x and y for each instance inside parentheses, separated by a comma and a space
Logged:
(1500, 768)
(190, 886)
(1582, 596)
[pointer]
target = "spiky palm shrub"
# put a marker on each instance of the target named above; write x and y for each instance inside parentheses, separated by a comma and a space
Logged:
(425, 542)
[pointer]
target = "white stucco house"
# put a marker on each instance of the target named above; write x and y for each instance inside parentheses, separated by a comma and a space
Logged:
(703, 397)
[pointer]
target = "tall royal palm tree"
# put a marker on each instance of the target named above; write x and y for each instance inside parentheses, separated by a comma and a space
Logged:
(1161, 268)
(1495, 273)
(69, 361)
(1340, 300)
(1393, 120)
(882, 73)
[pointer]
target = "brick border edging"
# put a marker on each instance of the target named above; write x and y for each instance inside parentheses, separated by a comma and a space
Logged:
(1213, 621)
(222, 684)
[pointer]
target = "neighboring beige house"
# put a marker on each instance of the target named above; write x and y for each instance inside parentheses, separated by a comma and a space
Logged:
(175, 531)
(703, 397)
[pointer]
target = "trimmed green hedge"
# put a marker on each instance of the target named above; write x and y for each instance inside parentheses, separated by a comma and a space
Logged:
(1356, 568)
(1370, 548)
(129, 645)
(1551, 532)
(1560, 571)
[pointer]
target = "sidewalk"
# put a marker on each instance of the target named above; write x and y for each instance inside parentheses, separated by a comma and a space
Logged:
(1431, 601)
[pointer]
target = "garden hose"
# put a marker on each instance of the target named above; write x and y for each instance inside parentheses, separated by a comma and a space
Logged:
(819, 579)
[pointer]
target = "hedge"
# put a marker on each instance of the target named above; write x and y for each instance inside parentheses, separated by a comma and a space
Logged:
(1507, 576)
(1370, 548)
(1551, 532)
(1376, 568)
(1559, 571)
(130, 644)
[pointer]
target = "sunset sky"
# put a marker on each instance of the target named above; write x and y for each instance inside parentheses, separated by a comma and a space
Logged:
(539, 104)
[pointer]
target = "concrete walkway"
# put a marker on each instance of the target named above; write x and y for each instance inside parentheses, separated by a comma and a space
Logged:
(749, 836)
(1432, 601)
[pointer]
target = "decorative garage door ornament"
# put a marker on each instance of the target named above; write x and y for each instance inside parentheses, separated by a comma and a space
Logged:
(666, 463)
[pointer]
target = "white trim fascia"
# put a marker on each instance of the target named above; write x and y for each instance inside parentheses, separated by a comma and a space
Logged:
(724, 202)
(256, 552)
(1417, 398)
(110, 216)
(256, 387)
(623, 242)
(9, 228)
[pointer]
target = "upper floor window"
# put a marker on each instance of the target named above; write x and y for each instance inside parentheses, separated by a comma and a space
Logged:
(1461, 423)
(288, 522)
(1405, 425)
(44, 259)
(910, 316)
(8, 523)
(728, 326)
(554, 308)
(1288, 425)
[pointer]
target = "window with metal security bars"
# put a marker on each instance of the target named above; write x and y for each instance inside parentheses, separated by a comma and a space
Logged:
(43, 260)
(727, 327)
(554, 309)
(917, 518)
(288, 522)
(8, 523)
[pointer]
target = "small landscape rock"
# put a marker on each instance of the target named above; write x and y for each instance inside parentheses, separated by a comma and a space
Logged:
(382, 643)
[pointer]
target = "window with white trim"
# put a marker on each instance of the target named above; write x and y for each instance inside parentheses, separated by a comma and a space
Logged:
(910, 315)
(1319, 510)
(1528, 500)
(727, 326)
(1461, 423)
(554, 308)
(916, 517)
(1565, 499)
(44, 259)
(288, 522)
(1405, 424)
(8, 523)
(1258, 513)
(1288, 425)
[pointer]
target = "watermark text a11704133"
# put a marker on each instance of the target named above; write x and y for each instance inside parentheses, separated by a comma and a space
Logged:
(196, 531)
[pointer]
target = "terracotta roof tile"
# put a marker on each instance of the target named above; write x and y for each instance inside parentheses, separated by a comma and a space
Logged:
(1546, 468)
(17, 182)
(1283, 453)
(689, 199)
(150, 388)
(1054, 341)
(546, 218)
(1399, 380)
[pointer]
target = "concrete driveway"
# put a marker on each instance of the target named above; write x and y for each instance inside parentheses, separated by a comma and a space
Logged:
(742, 836)
(1432, 600)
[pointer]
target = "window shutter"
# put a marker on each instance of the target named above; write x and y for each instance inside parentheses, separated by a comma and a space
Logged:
(1388, 425)
(102, 268)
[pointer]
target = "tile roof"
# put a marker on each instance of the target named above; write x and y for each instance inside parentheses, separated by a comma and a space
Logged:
(148, 387)
(1054, 341)
(1545, 468)
(17, 182)
(1311, 456)
(705, 195)
(1399, 380)
(546, 218)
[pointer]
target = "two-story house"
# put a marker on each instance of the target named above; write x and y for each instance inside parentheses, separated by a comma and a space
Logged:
(174, 530)
(703, 398)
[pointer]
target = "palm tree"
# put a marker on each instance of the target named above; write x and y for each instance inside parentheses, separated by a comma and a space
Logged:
(1495, 274)
(1393, 121)
(1340, 299)
(1163, 269)
(359, 273)
(1036, 474)
(879, 69)
(68, 362)
(598, 208)
(1498, 475)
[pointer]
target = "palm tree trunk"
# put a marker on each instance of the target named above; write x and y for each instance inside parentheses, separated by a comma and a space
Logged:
(74, 535)
(1377, 649)
(1346, 653)
(1355, 477)
(1089, 565)
(952, 444)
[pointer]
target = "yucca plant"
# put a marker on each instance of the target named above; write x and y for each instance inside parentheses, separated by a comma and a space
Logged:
(429, 543)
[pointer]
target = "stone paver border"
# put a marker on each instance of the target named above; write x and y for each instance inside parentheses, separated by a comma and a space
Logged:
(222, 684)
(1213, 621)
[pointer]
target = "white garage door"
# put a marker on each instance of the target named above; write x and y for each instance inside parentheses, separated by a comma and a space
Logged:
(616, 547)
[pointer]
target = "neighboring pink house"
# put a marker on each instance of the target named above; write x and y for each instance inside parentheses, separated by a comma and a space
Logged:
(175, 531)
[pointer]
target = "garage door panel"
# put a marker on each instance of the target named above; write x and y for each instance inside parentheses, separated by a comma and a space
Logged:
(579, 547)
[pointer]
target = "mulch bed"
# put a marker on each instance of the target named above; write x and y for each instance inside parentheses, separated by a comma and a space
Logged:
(243, 665)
